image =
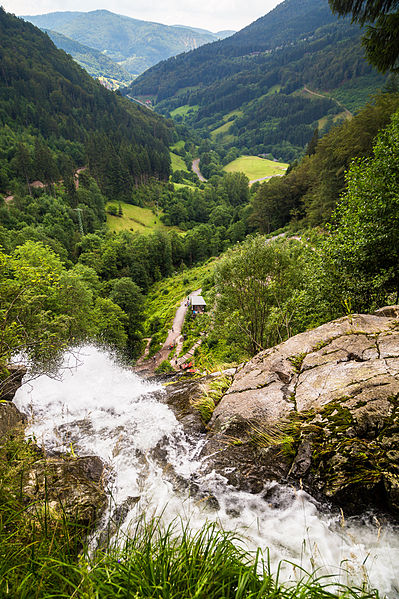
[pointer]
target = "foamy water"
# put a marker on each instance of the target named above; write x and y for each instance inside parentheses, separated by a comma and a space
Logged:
(100, 408)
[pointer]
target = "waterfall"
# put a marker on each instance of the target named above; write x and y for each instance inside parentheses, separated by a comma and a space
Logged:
(98, 407)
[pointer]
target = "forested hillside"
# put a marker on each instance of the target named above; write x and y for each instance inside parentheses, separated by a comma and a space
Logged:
(254, 90)
(134, 44)
(97, 64)
(49, 107)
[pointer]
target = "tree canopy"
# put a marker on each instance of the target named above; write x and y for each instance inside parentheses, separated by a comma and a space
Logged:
(381, 39)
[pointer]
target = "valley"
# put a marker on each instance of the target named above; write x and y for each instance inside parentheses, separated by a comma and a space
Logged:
(199, 306)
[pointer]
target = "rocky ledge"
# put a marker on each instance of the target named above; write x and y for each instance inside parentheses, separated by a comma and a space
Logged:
(321, 411)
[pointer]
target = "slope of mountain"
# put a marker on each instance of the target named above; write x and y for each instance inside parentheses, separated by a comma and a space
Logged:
(266, 88)
(135, 44)
(98, 65)
(53, 111)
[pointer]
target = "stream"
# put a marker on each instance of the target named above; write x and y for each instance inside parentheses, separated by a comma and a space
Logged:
(98, 407)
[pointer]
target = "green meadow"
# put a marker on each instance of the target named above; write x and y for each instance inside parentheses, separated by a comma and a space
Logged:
(178, 163)
(136, 219)
(255, 167)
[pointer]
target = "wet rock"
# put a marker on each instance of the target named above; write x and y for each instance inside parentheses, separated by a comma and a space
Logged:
(10, 418)
(180, 396)
(320, 409)
(10, 385)
(70, 486)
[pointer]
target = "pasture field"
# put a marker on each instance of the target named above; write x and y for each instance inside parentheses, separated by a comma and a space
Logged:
(222, 129)
(178, 163)
(183, 110)
(136, 219)
(255, 167)
(177, 146)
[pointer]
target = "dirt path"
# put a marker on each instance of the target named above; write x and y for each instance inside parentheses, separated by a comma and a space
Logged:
(195, 167)
(174, 338)
(309, 91)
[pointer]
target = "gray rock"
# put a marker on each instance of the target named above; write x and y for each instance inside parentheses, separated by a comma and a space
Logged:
(320, 409)
(70, 486)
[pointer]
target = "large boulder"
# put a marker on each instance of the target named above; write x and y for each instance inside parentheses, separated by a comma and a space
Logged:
(320, 410)
(68, 486)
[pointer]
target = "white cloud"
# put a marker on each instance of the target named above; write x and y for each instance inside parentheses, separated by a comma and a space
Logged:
(208, 14)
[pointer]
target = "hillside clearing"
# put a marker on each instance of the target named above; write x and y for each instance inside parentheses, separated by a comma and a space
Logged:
(178, 163)
(136, 219)
(255, 167)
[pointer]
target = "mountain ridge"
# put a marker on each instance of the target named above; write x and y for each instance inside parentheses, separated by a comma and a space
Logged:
(133, 43)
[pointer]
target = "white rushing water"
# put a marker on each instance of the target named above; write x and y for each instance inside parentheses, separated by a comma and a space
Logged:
(100, 408)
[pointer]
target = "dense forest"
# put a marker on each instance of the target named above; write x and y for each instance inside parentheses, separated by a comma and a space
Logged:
(248, 90)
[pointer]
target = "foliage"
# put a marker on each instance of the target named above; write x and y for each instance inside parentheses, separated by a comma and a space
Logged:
(164, 297)
(213, 392)
(93, 61)
(39, 311)
(135, 44)
(311, 189)
(164, 368)
(358, 263)
(381, 39)
(39, 550)
(257, 285)
(45, 99)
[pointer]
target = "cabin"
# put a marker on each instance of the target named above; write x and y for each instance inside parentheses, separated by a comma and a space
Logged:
(198, 304)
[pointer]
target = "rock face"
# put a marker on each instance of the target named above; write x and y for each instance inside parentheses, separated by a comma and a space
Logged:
(10, 385)
(10, 418)
(320, 409)
(66, 485)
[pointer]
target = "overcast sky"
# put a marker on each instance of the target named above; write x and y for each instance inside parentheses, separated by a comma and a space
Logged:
(214, 15)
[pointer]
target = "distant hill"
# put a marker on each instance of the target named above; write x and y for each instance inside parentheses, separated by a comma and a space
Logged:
(98, 65)
(136, 45)
(266, 88)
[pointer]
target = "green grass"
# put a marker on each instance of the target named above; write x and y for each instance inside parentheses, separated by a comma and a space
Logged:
(222, 129)
(184, 110)
(179, 145)
(255, 167)
(164, 298)
(136, 219)
(178, 163)
(274, 89)
(181, 185)
(236, 113)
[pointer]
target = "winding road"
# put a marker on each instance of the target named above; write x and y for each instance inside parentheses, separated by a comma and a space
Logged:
(195, 168)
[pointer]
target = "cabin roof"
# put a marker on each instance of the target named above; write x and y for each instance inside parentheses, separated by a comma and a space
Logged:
(197, 300)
